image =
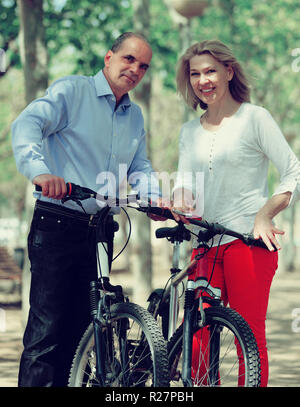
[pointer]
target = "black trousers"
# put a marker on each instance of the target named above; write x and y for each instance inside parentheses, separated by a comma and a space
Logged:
(63, 262)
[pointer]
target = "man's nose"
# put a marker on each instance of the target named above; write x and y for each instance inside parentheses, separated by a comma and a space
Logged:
(134, 68)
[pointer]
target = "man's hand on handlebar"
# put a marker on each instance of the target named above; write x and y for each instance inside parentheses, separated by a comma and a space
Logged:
(52, 185)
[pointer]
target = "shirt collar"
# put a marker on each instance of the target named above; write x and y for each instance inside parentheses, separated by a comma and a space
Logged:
(103, 89)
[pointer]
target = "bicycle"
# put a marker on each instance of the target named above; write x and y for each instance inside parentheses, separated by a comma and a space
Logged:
(123, 345)
(216, 318)
(230, 355)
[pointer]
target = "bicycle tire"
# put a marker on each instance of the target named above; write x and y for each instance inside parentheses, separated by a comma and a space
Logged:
(161, 310)
(236, 329)
(145, 348)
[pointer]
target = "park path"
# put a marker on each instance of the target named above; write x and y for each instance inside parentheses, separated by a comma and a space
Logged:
(282, 327)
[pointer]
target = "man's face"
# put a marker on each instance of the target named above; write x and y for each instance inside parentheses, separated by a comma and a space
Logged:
(125, 68)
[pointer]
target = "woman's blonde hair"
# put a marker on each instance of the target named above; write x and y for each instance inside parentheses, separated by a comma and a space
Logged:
(238, 86)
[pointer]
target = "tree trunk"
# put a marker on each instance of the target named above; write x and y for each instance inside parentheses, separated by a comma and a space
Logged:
(141, 252)
(35, 63)
(33, 49)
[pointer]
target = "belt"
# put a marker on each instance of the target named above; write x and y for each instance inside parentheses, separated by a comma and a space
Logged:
(53, 209)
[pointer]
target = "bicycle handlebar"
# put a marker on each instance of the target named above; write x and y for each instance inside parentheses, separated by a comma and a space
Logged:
(78, 193)
(214, 228)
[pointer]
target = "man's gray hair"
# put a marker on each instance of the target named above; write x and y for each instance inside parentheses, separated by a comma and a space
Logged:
(123, 37)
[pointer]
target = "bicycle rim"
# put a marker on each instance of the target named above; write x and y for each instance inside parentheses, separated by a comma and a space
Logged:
(224, 354)
(135, 356)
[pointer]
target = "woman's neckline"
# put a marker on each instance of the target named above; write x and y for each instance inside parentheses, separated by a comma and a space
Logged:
(221, 126)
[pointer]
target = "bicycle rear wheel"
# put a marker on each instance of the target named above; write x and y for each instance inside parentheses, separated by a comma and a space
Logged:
(225, 352)
(136, 353)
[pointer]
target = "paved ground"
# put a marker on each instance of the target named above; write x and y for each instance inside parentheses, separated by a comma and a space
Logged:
(10, 346)
(283, 330)
(282, 327)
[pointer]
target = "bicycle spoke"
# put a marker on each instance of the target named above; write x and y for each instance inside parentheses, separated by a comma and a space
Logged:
(136, 354)
(224, 352)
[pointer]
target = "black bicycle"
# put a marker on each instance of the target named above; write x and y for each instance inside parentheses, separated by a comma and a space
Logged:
(226, 347)
(216, 336)
(123, 346)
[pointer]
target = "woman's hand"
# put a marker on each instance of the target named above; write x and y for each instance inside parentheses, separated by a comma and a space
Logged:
(180, 216)
(265, 229)
(183, 202)
(263, 225)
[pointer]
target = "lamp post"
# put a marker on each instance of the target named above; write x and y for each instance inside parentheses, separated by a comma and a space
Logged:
(188, 9)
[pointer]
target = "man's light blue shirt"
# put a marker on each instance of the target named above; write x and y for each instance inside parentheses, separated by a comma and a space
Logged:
(76, 132)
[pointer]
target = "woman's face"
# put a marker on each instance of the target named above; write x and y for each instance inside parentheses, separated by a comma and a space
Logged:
(209, 78)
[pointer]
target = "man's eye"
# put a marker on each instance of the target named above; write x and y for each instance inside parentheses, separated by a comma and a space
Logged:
(129, 58)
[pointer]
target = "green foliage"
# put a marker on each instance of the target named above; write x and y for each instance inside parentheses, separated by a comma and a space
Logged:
(9, 24)
(88, 27)
(11, 182)
(165, 41)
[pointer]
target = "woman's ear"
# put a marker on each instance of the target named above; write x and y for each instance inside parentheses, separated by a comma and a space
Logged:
(230, 72)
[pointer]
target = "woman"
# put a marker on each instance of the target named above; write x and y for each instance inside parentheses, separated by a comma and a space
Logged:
(231, 144)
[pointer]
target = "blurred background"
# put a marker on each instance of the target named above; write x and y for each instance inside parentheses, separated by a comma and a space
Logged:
(42, 40)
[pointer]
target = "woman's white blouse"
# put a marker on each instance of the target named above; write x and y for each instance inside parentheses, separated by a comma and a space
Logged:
(233, 164)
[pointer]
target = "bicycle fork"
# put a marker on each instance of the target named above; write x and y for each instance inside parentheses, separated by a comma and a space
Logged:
(174, 304)
(96, 312)
(191, 307)
(100, 311)
(189, 316)
(98, 334)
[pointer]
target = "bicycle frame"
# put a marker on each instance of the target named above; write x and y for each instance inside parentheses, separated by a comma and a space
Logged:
(177, 277)
(190, 308)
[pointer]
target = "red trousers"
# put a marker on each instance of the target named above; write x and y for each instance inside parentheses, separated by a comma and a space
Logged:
(244, 275)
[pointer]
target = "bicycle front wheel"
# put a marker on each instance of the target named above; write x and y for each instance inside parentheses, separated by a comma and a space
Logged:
(136, 353)
(224, 352)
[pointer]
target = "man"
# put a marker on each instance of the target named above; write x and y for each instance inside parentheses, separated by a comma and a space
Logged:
(82, 127)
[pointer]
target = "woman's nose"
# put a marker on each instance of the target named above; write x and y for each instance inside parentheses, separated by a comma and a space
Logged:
(202, 80)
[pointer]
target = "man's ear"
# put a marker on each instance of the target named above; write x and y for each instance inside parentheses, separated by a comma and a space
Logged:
(107, 57)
